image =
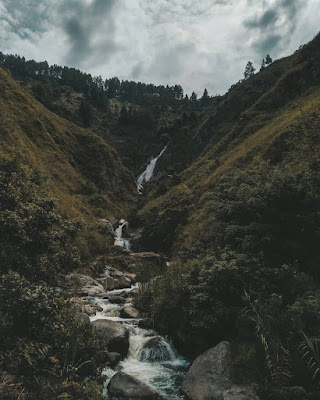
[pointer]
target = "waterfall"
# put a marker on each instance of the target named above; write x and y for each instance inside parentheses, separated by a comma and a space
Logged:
(118, 239)
(147, 174)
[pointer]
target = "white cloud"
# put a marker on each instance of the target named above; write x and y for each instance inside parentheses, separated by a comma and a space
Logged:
(196, 44)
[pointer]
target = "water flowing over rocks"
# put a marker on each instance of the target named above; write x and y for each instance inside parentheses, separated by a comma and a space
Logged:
(147, 174)
(124, 385)
(209, 377)
(116, 333)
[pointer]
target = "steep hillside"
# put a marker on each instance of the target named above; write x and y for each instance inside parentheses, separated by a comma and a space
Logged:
(262, 133)
(78, 168)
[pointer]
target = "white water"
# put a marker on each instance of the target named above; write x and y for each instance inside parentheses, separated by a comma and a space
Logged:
(147, 174)
(157, 364)
(118, 239)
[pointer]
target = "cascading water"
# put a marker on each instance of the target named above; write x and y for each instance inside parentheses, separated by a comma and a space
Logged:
(118, 239)
(147, 174)
(151, 358)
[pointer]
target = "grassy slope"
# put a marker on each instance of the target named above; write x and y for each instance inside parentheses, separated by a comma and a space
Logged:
(257, 134)
(78, 168)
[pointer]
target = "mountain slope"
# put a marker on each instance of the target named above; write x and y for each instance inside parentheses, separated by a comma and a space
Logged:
(263, 133)
(80, 169)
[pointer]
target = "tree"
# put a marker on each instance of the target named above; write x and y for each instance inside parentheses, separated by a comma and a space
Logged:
(268, 59)
(249, 70)
(263, 65)
(85, 112)
(193, 96)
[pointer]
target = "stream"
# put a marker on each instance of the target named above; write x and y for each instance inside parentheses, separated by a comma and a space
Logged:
(151, 358)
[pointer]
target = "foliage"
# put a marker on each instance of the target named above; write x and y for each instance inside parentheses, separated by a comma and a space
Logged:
(43, 340)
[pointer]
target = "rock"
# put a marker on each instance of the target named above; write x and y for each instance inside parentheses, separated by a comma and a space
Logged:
(113, 359)
(77, 303)
(129, 312)
(146, 323)
(240, 393)
(83, 317)
(116, 333)
(117, 299)
(124, 385)
(156, 349)
(113, 278)
(92, 309)
(209, 377)
(84, 285)
(209, 374)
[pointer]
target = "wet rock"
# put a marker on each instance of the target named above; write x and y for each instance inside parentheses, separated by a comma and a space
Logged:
(92, 309)
(112, 278)
(209, 377)
(84, 285)
(117, 299)
(156, 349)
(113, 359)
(146, 323)
(116, 333)
(124, 385)
(129, 312)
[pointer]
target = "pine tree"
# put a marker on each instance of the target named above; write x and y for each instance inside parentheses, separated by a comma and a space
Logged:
(249, 70)
(268, 60)
(193, 96)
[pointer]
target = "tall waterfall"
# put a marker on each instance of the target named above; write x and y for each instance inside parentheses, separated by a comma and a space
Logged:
(147, 174)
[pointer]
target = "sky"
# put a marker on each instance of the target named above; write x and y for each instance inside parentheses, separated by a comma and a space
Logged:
(197, 44)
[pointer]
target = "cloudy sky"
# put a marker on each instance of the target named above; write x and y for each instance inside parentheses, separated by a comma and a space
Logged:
(198, 44)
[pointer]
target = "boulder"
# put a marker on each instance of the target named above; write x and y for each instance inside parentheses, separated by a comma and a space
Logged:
(116, 333)
(84, 318)
(156, 349)
(209, 377)
(129, 312)
(117, 299)
(240, 393)
(84, 285)
(113, 359)
(92, 309)
(126, 386)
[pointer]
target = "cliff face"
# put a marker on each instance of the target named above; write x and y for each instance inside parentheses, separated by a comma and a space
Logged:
(77, 167)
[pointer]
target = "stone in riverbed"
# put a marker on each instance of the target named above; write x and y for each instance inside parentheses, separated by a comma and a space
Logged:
(126, 386)
(129, 312)
(84, 318)
(116, 333)
(117, 299)
(209, 377)
(84, 285)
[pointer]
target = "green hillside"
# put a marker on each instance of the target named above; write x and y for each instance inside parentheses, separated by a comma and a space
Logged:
(78, 168)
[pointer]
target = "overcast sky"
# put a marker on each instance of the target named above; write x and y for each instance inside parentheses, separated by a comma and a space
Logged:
(195, 43)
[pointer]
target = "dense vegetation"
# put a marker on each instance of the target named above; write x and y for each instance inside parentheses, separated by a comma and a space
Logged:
(46, 351)
(97, 90)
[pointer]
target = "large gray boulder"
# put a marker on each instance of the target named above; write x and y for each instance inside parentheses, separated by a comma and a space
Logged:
(129, 312)
(116, 333)
(126, 386)
(84, 285)
(240, 393)
(209, 377)
(112, 278)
